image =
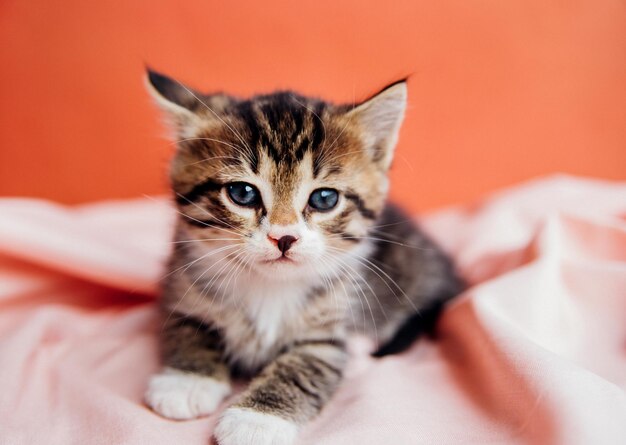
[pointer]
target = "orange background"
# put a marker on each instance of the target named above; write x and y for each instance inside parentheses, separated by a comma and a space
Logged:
(499, 91)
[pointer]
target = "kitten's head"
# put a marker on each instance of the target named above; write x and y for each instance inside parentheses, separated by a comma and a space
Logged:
(286, 185)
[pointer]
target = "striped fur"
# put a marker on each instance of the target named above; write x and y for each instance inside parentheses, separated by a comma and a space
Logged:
(234, 305)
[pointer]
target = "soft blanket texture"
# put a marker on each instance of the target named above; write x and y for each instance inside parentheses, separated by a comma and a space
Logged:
(534, 352)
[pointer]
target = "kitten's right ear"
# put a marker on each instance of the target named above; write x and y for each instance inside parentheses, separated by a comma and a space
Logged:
(180, 103)
(380, 118)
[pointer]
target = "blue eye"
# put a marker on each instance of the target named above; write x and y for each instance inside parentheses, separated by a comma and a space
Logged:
(323, 199)
(244, 194)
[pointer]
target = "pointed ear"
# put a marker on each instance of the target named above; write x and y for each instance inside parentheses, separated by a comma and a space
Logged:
(380, 118)
(179, 103)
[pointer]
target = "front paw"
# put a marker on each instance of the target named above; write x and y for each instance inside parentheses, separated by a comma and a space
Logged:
(184, 395)
(238, 426)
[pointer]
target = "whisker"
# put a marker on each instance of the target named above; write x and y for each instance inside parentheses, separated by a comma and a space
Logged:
(215, 276)
(402, 221)
(386, 235)
(316, 115)
(203, 239)
(194, 283)
(244, 264)
(230, 274)
(211, 158)
(208, 213)
(380, 239)
(327, 161)
(206, 255)
(197, 220)
(406, 162)
(359, 292)
(236, 147)
(362, 260)
(327, 150)
(342, 130)
(323, 259)
(382, 309)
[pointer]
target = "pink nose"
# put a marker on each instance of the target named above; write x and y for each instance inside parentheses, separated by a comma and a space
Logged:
(284, 243)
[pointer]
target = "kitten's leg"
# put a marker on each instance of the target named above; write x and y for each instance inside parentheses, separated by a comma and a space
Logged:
(285, 395)
(194, 380)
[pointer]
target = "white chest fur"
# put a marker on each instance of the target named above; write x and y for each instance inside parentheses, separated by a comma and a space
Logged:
(270, 309)
(256, 317)
(271, 314)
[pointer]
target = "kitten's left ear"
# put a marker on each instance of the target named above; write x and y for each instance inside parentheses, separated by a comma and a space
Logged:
(380, 118)
(179, 103)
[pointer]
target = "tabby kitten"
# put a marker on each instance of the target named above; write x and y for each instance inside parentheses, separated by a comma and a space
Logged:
(284, 245)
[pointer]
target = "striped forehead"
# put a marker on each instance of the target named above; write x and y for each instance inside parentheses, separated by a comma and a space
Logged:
(282, 126)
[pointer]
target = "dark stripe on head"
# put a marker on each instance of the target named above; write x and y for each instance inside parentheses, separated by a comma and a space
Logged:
(360, 205)
(317, 134)
(305, 144)
(339, 228)
(333, 168)
(298, 119)
(247, 114)
(319, 131)
(198, 191)
(340, 223)
(273, 116)
(319, 137)
(317, 164)
(350, 237)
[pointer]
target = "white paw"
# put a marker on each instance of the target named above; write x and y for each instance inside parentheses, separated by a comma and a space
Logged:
(183, 395)
(239, 426)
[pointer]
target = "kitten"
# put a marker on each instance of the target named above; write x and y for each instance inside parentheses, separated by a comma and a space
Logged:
(284, 245)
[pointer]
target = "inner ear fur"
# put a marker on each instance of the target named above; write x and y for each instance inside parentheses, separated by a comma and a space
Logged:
(380, 118)
(181, 105)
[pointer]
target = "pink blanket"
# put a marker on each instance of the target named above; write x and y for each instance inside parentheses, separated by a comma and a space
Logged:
(534, 352)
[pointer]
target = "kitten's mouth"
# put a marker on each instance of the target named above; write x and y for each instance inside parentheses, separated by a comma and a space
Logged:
(280, 259)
